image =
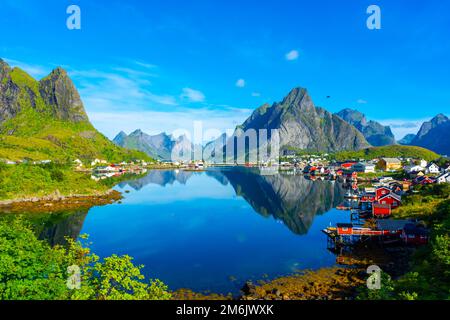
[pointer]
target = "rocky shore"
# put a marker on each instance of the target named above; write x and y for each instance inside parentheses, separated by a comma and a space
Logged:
(56, 202)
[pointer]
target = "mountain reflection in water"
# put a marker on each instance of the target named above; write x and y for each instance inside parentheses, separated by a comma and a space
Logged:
(200, 229)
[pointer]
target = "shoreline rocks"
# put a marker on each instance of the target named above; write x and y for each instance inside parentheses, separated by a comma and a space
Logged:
(57, 202)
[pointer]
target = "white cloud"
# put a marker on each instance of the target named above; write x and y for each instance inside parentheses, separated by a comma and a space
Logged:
(145, 65)
(361, 101)
(193, 95)
(256, 94)
(240, 83)
(36, 71)
(292, 55)
(117, 89)
(402, 127)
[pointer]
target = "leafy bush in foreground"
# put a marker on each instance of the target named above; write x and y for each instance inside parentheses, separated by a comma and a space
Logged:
(32, 270)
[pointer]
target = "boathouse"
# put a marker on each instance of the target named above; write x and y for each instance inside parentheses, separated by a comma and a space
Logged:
(380, 210)
(344, 228)
(414, 234)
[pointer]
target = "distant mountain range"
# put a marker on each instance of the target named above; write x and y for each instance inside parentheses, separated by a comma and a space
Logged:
(406, 140)
(375, 133)
(161, 146)
(434, 135)
(302, 126)
(46, 119)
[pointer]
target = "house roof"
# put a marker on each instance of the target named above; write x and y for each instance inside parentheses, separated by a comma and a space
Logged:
(391, 160)
(392, 225)
(392, 195)
(411, 228)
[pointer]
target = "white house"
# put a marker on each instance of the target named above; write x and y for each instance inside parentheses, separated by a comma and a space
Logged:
(444, 178)
(98, 161)
(433, 168)
(423, 163)
(414, 168)
(364, 167)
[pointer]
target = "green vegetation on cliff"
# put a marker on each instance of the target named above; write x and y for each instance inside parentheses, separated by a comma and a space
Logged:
(46, 119)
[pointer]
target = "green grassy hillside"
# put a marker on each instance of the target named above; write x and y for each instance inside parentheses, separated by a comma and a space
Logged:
(388, 151)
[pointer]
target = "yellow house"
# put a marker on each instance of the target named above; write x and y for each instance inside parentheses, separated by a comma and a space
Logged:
(390, 164)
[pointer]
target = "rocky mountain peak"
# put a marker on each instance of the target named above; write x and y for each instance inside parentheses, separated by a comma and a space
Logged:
(298, 98)
(4, 68)
(374, 132)
(302, 125)
(137, 132)
(59, 92)
(440, 118)
(353, 116)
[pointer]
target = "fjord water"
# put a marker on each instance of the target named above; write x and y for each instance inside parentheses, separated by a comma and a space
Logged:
(212, 230)
(215, 230)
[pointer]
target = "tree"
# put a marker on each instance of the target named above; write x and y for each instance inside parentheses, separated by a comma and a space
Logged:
(31, 269)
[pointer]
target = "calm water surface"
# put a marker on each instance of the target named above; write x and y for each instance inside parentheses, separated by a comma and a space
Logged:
(217, 229)
(213, 230)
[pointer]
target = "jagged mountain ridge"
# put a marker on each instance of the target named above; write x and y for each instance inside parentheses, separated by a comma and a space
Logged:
(301, 125)
(46, 119)
(434, 135)
(161, 146)
(375, 133)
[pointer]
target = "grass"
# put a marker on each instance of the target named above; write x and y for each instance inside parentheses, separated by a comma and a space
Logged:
(394, 151)
(27, 181)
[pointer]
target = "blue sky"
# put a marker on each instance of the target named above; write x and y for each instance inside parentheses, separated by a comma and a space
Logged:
(160, 65)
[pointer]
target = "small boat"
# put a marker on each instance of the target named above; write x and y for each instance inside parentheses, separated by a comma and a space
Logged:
(350, 195)
(343, 207)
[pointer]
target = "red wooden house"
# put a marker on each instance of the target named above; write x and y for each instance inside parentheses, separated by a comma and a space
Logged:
(381, 192)
(414, 235)
(381, 210)
(391, 199)
(347, 165)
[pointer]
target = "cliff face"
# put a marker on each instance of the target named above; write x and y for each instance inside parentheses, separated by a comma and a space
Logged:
(375, 133)
(434, 135)
(55, 95)
(46, 119)
(58, 91)
(9, 93)
(302, 125)
(407, 139)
